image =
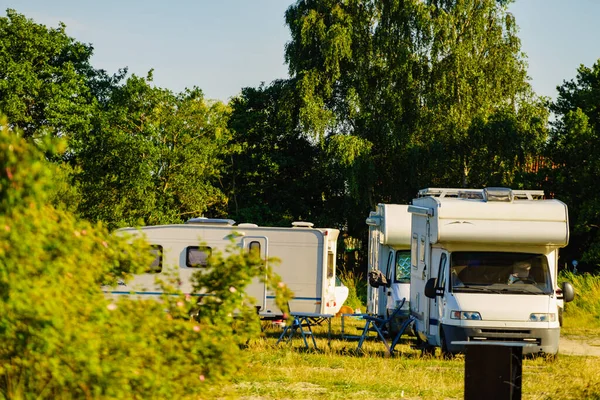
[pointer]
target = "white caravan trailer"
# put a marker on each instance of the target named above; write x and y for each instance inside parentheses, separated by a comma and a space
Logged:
(389, 255)
(307, 260)
(484, 268)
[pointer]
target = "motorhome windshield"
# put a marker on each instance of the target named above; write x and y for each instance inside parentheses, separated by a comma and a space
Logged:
(497, 272)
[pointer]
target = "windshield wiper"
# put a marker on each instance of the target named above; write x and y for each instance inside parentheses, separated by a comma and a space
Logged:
(475, 288)
(523, 291)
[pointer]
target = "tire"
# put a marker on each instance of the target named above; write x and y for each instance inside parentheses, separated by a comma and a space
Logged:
(428, 351)
(446, 354)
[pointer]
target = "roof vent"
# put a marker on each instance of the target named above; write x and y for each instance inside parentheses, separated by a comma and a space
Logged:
(302, 224)
(210, 221)
(498, 194)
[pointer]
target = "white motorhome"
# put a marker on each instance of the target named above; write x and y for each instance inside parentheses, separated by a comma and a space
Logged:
(389, 255)
(484, 266)
(307, 260)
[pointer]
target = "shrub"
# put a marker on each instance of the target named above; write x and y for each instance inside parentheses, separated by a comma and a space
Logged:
(357, 289)
(61, 338)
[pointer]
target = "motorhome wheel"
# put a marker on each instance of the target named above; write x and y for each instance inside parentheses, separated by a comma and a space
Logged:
(446, 354)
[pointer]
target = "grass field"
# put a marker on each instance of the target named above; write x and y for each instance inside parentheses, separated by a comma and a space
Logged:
(289, 371)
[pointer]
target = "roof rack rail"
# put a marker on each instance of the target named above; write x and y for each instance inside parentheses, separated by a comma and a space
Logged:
(461, 193)
(452, 192)
(528, 194)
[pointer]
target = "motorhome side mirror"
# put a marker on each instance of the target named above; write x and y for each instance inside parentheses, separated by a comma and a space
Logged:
(430, 287)
(568, 292)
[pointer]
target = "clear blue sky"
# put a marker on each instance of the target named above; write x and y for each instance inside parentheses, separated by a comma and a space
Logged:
(222, 46)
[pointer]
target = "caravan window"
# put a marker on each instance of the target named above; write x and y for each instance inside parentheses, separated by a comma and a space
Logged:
(402, 266)
(254, 248)
(330, 265)
(197, 256)
(156, 265)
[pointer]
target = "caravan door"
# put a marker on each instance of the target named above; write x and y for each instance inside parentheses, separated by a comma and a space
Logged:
(258, 288)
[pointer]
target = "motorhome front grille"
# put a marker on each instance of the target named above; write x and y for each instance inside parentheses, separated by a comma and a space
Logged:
(507, 331)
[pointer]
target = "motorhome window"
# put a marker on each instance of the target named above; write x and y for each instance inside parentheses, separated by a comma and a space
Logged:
(422, 249)
(402, 266)
(390, 265)
(414, 251)
(197, 256)
(500, 272)
(156, 265)
(442, 271)
(330, 266)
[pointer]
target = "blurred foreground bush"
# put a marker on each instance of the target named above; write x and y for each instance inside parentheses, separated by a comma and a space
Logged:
(61, 338)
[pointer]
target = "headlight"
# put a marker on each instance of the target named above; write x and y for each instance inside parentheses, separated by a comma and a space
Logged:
(542, 317)
(470, 315)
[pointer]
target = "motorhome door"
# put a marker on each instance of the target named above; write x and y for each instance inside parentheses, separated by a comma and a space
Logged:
(439, 266)
(385, 297)
(258, 288)
(425, 262)
(420, 272)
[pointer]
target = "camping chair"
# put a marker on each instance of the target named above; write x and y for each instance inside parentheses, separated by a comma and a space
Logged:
(379, 324)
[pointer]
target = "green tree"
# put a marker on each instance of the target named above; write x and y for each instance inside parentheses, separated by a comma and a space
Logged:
(44, 76)
(153, 156)
(356, 84)
(429, 91)
(276, 174)
(574, 165)
(477, 82)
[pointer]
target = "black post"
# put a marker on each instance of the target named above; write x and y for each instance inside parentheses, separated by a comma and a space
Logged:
(493, 371)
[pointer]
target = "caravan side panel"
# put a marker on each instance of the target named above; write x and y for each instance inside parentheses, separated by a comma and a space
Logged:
(306, 261)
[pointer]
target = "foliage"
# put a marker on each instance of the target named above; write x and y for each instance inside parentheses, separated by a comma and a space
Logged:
(574, 164)
(271, 177)
(278, 174)
(584, 311)
(44, 78)
(60, 336)
(357, 289)
(423, 93)
(224, 282)
(153, 157)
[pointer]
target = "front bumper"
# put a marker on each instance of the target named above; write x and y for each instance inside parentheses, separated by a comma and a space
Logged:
(539, 340)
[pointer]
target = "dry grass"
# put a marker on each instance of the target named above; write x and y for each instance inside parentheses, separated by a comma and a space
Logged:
(289, 371)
